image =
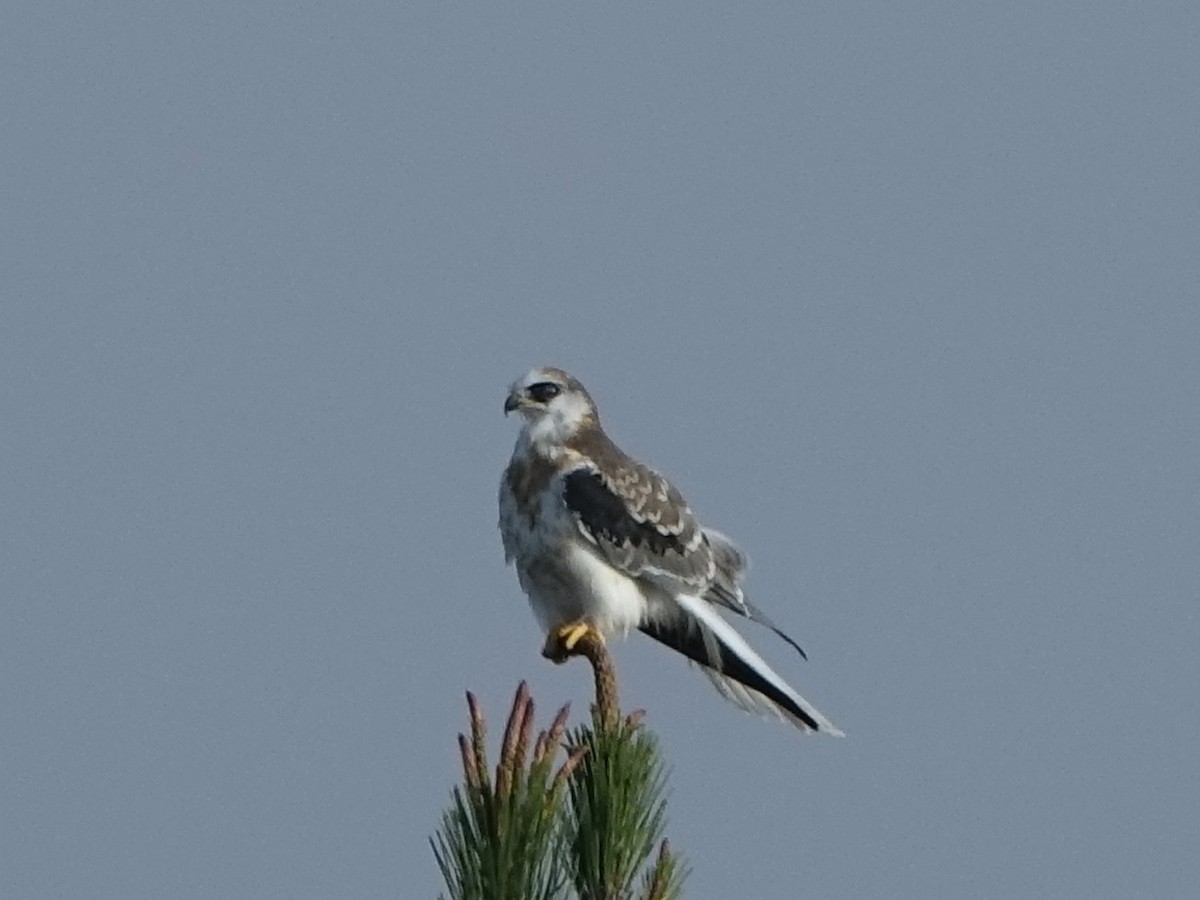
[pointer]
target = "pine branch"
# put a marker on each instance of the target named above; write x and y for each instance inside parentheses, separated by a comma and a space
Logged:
(665, 880)
(591, 830)
(500, 843)
(617, 814)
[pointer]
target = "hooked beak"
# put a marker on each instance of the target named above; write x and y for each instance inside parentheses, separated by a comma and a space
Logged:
(513, 401)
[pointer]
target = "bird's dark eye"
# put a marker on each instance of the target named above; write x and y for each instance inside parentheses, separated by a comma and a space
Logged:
(544, 391)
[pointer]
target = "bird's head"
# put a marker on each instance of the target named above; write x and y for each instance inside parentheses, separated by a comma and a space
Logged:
(553, 405)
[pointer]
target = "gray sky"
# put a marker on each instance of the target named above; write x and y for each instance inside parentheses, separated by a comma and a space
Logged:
(906, 297)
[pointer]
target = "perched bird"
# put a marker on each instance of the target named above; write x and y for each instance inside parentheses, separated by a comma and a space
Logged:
(602, 543)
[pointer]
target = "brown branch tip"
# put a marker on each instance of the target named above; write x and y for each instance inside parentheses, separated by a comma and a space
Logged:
(591, 646)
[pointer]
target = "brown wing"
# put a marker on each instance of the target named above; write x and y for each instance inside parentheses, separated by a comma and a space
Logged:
(641, 525)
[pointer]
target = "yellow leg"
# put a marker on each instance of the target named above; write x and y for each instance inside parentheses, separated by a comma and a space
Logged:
(562, 640)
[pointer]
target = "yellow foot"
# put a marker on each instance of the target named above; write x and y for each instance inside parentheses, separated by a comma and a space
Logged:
(561, 641)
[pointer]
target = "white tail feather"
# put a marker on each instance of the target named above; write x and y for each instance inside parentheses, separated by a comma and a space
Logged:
(721, 631)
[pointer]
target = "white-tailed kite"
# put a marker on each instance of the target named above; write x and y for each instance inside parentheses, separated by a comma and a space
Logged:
(602, 543)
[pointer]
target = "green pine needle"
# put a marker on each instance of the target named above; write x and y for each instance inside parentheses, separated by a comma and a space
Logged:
(588, 828)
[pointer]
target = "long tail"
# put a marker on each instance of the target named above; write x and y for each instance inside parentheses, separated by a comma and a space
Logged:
(739, 673)
(726, 590)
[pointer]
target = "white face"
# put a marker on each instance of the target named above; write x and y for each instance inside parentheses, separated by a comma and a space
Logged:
(552, 404)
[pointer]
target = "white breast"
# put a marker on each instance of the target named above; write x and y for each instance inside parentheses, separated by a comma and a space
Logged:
(564, 576)
(612, 601)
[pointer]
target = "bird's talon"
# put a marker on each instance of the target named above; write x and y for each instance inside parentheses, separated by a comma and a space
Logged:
(562, 641)
(572, 634)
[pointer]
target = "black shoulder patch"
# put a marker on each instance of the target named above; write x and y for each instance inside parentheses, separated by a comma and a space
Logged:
(605, 516)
